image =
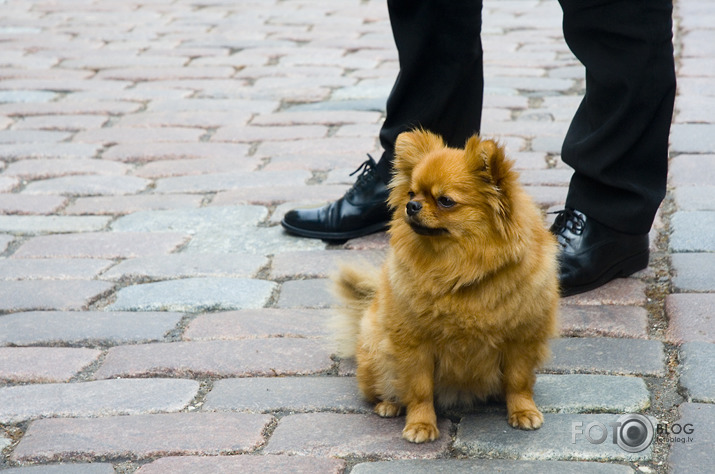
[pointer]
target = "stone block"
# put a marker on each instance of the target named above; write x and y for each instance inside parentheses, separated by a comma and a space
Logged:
(352, 435)
(141, 436)
(250, 357)
(101, 398)
(192, 295)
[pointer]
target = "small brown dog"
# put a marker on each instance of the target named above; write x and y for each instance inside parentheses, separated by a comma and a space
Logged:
(465, 304)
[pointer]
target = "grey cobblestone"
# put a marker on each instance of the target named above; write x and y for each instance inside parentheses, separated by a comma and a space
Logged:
(186, 265)
(490, 434)
(607, 355)
(693, 271)
(101, 398)
(194, 295)
(209, 219)
(249, 357)
(691, 453)
(141, 436)
(476, 466)
(684, 240)
(245, 463)
(84, 327)
(253, 323)
(344, 435)
(52, 268)
(70, 295)
(47, 224)
(696, 376)
(74, 468)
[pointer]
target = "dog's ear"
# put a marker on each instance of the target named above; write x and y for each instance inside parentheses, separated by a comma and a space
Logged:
(489, 162)
(487, 159)
(411, 147)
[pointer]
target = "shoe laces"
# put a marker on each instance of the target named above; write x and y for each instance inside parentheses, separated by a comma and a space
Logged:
(367, 175)
(567, 220)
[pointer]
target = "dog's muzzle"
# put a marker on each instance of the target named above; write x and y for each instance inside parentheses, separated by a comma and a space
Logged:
(413, 207)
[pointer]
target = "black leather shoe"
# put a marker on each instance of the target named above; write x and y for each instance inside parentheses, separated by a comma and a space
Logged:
(361, 211)
(593, 254)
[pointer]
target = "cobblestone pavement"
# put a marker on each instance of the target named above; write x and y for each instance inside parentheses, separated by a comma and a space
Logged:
(155, 318)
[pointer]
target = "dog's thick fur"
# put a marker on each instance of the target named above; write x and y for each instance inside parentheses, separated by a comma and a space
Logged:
(465, 304)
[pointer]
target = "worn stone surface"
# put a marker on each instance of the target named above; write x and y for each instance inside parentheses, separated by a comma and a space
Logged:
(480, 435)
(692, 317)
(187, 266)
(320, 264)
(291, 394)
(683, 239)
(141, 436)
(44, 224)
(5, 241)
(342, 435)
(126, 204)
(604, 320)
(696, 375)
(88, 185)
(226, 181)
(607, 355)
(581, 393)
(29, 295)
(272, 464)
(101, 245)
(251, 357)
(621, 291)
(85, 327)
(100, 398)
(313, 293)
(689, 453)
(71, 468)
(23, 204)
(693, 271)
(695, 198)
(258, 240)
(44, 364)
(207, 219)
(464, 466)
(264, 322)
(194, 295)
(52, 268)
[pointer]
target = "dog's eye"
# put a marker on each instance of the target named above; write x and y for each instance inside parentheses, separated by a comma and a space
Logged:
(411, 195)
(445, 201)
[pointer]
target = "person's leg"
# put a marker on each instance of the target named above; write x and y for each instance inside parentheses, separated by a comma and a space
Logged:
(439, 88)
(441, 82)
(618, 140)
(617, 143)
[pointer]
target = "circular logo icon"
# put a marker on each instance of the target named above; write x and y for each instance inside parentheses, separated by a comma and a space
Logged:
(635, 433)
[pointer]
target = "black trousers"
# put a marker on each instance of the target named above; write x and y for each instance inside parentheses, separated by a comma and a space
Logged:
(617, 143)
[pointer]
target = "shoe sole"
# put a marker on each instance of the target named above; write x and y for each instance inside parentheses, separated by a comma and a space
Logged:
(621, 270)
(335, 237)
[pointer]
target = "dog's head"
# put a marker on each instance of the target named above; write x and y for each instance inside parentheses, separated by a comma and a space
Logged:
(447, 193)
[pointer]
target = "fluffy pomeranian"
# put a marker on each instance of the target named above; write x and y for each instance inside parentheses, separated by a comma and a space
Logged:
(465, 304)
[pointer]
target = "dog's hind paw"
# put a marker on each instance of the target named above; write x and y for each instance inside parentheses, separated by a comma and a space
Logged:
(420, 432)
(526, 419)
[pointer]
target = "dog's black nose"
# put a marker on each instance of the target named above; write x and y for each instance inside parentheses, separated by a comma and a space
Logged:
(413, 207)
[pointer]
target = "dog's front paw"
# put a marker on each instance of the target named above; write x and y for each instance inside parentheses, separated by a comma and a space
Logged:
(387, 409)
(530, 419)
(420, 432)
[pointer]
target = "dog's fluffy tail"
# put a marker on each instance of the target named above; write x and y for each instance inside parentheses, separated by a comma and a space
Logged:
(355, 286)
